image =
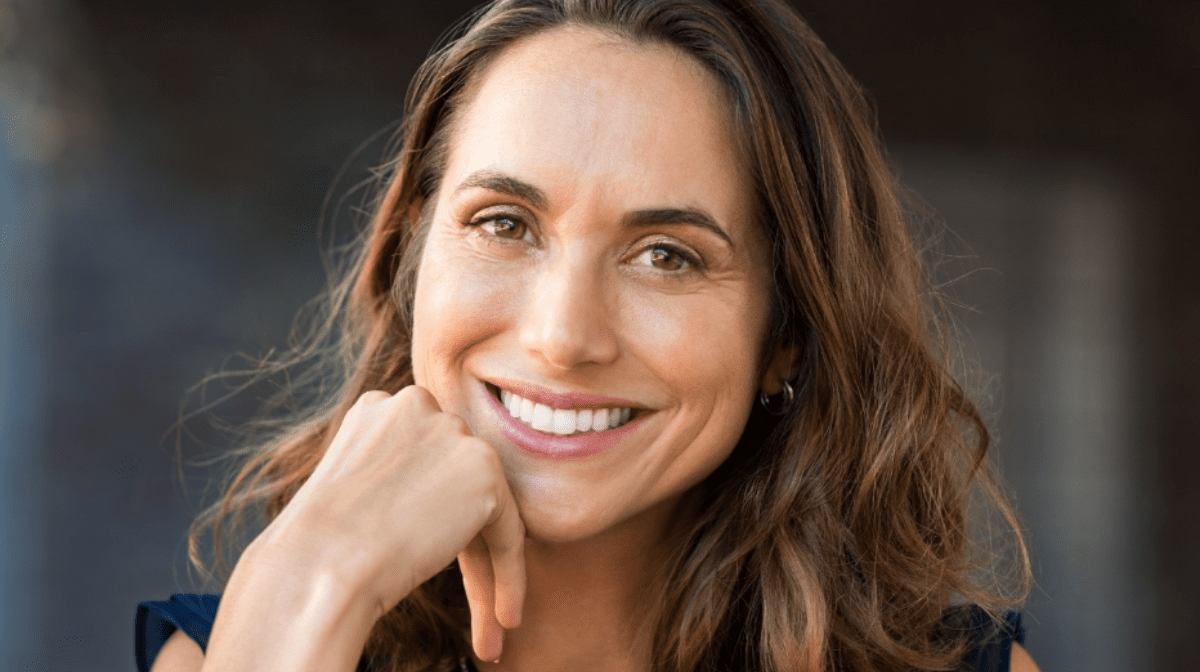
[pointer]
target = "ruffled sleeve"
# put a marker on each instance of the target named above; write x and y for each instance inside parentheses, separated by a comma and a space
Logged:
(191, 613)
(990, 641)
(156, 621)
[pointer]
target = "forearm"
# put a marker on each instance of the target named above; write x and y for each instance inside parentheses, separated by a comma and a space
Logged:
(276, 615)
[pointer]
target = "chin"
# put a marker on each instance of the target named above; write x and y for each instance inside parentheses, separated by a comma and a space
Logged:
(564, 517)
(559, 522)
(552, 533)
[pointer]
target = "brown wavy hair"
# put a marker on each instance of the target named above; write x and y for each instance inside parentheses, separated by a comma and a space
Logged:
(837, 535)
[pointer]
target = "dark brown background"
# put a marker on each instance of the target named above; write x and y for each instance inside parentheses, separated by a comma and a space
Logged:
(163, 173)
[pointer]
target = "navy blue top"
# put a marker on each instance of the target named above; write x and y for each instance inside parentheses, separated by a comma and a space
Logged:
(991, 643)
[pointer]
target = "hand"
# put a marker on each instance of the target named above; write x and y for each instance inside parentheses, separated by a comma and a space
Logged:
(402, 490)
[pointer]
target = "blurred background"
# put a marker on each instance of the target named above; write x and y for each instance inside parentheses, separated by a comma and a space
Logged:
(162, 175)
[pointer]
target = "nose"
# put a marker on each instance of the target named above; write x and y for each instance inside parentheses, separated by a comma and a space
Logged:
(566, 321)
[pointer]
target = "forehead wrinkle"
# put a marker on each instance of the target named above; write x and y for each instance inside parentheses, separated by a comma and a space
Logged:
(522, 67)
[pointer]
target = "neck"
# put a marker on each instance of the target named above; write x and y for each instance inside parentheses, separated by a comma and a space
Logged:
(587, 602)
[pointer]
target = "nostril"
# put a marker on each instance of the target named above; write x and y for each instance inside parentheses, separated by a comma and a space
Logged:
(567, 324)
(568, 342)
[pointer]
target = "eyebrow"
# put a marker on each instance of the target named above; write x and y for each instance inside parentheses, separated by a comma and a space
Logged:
(506, 184)
(685, 216)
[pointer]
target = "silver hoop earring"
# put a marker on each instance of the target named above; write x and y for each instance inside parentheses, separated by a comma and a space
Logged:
(789, 395)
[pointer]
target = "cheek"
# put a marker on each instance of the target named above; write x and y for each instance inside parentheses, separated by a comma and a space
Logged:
(707, 345)
(705, 349)
(457, 303)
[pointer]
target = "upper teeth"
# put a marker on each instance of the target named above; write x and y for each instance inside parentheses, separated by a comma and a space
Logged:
(563, 421)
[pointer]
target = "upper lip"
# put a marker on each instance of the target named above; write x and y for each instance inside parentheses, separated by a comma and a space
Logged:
(562, 400)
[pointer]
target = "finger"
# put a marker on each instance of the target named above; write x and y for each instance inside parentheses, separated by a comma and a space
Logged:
(487, 637)
(505, 539)
(418, 398)
(373, 397)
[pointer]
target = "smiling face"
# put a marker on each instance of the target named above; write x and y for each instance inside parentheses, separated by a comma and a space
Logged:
(593, 258)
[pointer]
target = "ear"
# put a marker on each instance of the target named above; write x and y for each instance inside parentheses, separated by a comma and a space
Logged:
(781, 367)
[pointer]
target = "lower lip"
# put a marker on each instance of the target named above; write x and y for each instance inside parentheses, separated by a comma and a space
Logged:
(556, 446)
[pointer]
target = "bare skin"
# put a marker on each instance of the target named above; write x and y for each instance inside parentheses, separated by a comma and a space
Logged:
(669, 316)
(402, 491)
(559, 290)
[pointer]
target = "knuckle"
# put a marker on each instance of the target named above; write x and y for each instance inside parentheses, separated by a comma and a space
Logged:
(452, 423)
(370, 398)
(373, 396)
(483, 456)
(482, 468)
(417, 397)
(491, 504)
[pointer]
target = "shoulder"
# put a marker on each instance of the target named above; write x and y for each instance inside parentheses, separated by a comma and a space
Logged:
(1021, 660)
(179, 654)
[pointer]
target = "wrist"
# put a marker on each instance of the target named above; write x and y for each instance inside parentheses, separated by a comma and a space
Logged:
(313, 552)
(307, 577)
(275, 608)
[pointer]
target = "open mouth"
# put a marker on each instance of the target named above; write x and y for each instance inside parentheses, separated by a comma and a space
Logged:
(560, 421)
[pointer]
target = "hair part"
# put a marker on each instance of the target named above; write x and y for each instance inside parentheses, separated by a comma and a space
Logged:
(834, 537)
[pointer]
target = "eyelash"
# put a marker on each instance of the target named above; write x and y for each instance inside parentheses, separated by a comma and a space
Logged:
(690, 261)
(480, 223)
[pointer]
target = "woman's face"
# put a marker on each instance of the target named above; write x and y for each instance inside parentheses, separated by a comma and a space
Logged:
(592, 249)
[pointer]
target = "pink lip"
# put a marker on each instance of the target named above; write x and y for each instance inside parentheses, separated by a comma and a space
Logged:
(563, 400)
(538, 444)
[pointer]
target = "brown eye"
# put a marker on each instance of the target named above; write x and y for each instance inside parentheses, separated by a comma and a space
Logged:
(666, 259)
(504, 227)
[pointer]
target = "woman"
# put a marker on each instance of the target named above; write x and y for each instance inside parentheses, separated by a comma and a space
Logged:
(640, 375)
